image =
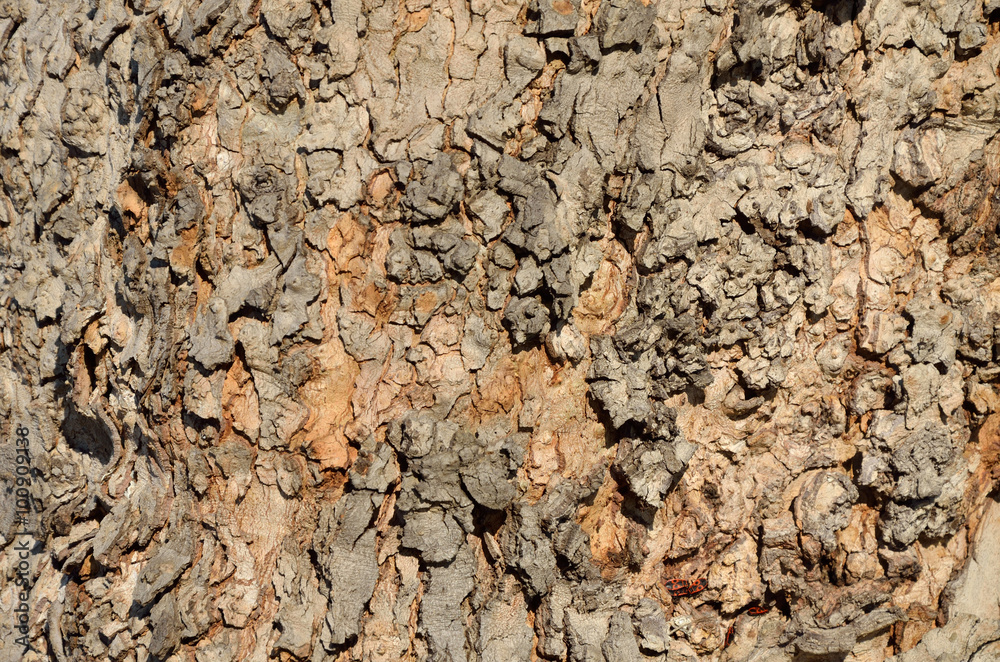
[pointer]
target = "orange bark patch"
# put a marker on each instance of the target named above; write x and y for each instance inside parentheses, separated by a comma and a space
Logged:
(345, 242)
(130, 201)
(183, 256)
(328, 397)
(499, 388)
(602, 303)
(417, 20)
(239, 401)
(380, 187)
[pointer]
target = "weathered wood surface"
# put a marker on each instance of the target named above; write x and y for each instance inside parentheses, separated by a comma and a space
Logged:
(447, 330)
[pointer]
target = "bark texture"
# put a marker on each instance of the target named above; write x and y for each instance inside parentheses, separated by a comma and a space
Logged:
(469, 330)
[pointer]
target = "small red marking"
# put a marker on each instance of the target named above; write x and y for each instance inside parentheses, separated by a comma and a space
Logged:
(757, 610)
(729, 635)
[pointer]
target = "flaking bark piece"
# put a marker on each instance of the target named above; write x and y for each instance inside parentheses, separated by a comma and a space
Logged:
(345, 554)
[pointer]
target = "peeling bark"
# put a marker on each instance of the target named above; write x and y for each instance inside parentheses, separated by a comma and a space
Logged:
(446, 330)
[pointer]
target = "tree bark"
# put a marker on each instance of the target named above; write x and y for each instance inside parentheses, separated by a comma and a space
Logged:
(481, 331)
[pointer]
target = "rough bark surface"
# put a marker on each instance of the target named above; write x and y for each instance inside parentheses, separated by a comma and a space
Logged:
(472, 330)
